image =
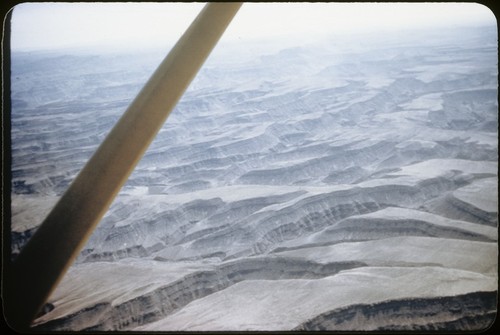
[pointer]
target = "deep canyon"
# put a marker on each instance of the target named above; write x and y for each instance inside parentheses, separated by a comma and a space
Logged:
(347, 184)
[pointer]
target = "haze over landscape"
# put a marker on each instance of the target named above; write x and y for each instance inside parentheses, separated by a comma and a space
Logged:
(346, 181)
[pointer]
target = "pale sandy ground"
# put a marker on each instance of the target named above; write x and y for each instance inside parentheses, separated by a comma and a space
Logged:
(284, 304)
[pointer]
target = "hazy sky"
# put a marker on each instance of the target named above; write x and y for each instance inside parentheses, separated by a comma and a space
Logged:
(120, 25)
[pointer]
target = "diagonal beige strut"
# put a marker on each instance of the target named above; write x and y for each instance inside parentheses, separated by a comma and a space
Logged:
(50, 252)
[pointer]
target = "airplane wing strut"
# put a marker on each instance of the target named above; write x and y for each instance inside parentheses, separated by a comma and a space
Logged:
(43, 262)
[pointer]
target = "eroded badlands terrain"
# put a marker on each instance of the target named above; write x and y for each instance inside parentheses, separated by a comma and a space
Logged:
(344, 185)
